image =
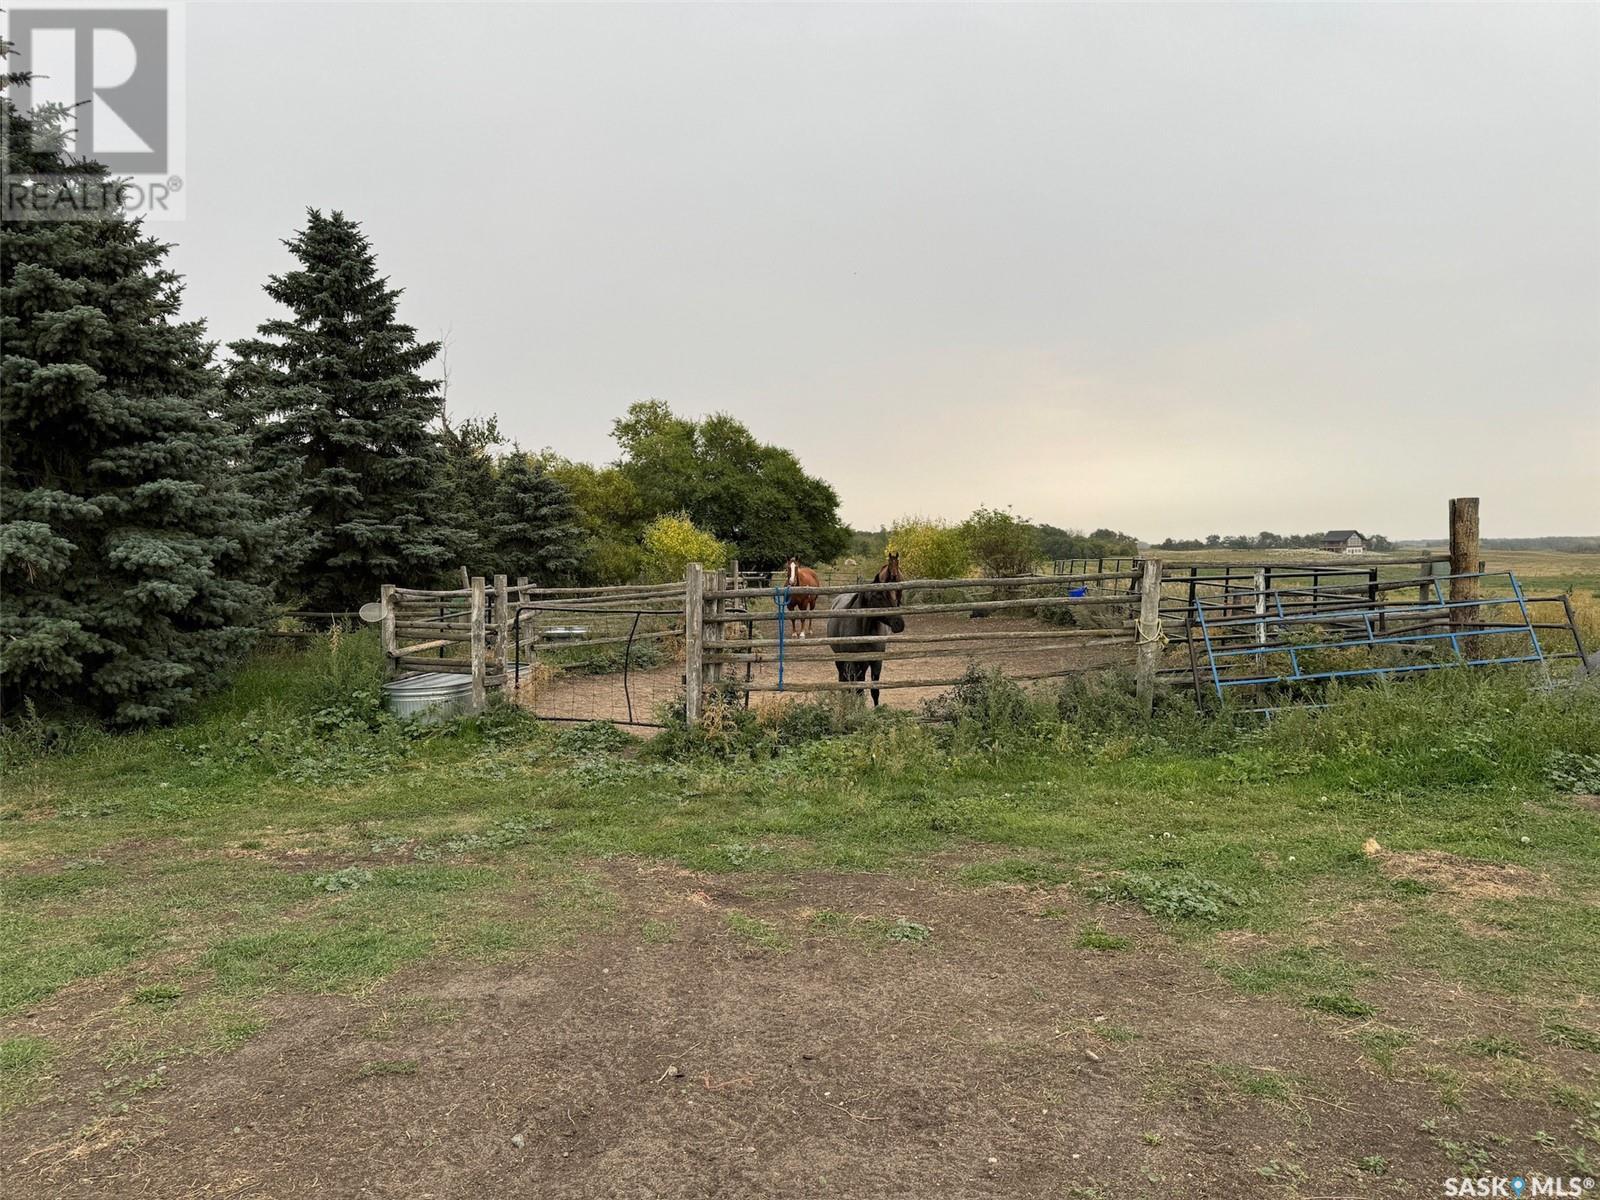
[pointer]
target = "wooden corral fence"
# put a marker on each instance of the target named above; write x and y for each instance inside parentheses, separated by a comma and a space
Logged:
(732, 629)
(618, 653)
(519, 635)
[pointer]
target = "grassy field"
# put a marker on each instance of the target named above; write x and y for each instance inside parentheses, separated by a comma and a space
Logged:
(1347, 952)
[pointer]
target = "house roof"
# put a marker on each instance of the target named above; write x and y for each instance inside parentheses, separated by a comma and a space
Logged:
(1341, 535)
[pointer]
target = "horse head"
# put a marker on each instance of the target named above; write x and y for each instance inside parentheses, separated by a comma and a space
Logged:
(887, 597)
(890, 573)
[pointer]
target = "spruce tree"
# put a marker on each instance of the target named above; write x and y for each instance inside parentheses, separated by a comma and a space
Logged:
(133, 570)
(470, 481)
(537, 528)
(335, 394)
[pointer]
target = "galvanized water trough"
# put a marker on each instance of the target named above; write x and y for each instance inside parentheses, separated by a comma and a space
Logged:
(429, 697)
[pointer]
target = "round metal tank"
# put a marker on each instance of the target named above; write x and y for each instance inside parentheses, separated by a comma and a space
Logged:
(429, 697)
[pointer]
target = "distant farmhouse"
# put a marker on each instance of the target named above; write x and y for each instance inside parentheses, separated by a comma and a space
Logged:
(1344, 541)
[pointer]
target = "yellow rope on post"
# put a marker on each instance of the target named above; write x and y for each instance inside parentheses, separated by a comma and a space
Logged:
(1159, 637)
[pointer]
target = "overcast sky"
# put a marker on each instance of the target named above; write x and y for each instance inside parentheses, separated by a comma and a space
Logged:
(1172, 270)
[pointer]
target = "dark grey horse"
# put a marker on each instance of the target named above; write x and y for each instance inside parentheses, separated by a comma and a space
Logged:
(852, 615)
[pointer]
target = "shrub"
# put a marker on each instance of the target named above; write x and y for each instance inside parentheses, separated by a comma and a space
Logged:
(986, 709)
(729, 730)
(1001, 543)
(672, 542)
(930, 549)
(1106, 702)
(1179, 897)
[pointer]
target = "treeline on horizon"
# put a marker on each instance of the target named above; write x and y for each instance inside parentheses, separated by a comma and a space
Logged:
(1038, 541)
(1576, 544)
(1266, 540)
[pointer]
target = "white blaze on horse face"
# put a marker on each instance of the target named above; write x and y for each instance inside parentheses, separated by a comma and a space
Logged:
(794, 572)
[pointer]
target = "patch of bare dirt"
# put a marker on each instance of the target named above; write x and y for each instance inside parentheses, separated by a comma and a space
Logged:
(682, 1058)
(1461, 878)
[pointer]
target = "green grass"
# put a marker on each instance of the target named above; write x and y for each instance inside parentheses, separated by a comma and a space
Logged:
(1493, 1046)
(1381, 1043)
(24, 1065)
(1256, 1083)
(755, 932)
(901, 930)
(1340, 1004)
(1015, 870)
(287, 839)
(1559, 1033)
(1092, 937)
(1299, 971)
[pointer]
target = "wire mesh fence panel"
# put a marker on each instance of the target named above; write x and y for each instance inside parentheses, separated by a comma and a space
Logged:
(598, 659)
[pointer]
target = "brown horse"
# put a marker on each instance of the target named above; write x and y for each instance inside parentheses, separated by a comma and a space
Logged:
(794, 575)
(852, 617)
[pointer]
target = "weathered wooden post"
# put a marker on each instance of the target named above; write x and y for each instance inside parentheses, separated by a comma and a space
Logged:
(519, 597)
(714, 631)
(1261, 606)
(479, 658)
(1464, 559)
(1149, 634)
(502, 624)
(391, 643)
(694, 586)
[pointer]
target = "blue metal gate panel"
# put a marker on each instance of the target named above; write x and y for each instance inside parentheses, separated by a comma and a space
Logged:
(1355, 627)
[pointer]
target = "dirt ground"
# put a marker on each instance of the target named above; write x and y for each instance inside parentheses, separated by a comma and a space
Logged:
(601, 697)
(732, 1037)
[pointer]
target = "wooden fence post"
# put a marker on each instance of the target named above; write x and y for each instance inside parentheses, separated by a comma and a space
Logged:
(502, 624)
(714, 631)
(478, 656)
(391, 644)
(1261, 606)
(694, 602)
(1149, 634)
(1464, 558)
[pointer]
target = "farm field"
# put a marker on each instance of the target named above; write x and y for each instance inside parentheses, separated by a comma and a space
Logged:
(285, 948)
(1538, 570)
